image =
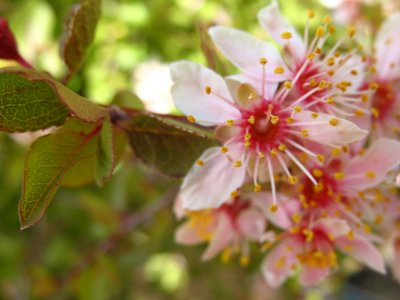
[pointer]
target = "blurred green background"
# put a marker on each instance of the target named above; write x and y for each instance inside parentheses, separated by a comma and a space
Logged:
(81, 249)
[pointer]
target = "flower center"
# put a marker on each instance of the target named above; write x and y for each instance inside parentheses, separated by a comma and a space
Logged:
(383, 101)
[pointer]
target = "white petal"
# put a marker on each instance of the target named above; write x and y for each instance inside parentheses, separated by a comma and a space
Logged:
(245, 51)
(354, 63)
(251, 224)
(387, 46)
(210, 185)
(275, 24)
(344, 133)
(188, 91)
(234, 81)
(186, 234)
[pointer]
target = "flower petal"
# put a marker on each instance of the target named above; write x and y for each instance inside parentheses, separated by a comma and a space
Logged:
(210, 185)
(362, 250)
(370, 169)
(189, 94)
(251, 224)
(277, 266)
(275, 24)
(332, 226)
(320, 129)
(223, 235)
(387, 46)
(311, 276)
(245, 51)
(186, 234)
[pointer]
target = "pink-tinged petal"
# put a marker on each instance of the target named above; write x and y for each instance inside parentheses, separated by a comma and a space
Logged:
(362, 250)
(396, 259)
(353, 71)
(223, 235)
(370, 169)
(286, 208)
(387, 45)
(311, 276)
(251, 224)
(234, 81)
(186, 234)
(178, 209)
(275, 24)
(331, 226)
(190, 96)
(210, 185)
(245, 51)
(278, 265)
(322, 131)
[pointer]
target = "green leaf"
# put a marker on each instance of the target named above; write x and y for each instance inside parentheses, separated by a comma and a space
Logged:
(105, 156)
(28, 105)
(26, 95)
(47, 162)
(79, 31)
(167, 145)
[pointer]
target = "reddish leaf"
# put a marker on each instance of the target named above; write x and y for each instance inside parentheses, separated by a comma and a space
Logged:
(8, 45)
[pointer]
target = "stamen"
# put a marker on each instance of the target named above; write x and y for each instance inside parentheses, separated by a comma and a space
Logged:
(300, 165)
(272, 180)
(191, 119)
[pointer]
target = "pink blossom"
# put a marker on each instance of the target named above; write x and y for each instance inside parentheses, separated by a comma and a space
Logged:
(311, 250)
(227, 228)
(259, 133)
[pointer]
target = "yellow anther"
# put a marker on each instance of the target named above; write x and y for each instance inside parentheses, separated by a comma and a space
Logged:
(274, 120)
(237, 163)
(292, 179)
(208, 90)
(247, 136)
(334, 122)
(286, 35)
(370, 174)
(358, 113)
(191, 119)
(304, 132)
(279, 70)
(234, 194)
(350, 235)
(308, 234)
(351, 31)
(296, 218)
(364, 98)
(297, 108)
(257, 188)
(372, 70)
(318, 50)
(317, 173)
(332, 29)
(252, 97)
(224, 149)
(354, 72)
(252, 119)
(290, 120)
(337, 53)
(273, 152)
(331, 72)
(336, 151)
(375, 112)
(327, 19)
(313, 83)
(310, 56)
(320, 32)
(378, 219)
(322, 84)
(261, 154)
(345, 149)
(318, 187)
(273, 208)
(310, 13)
(282, 147)
(339, 175)
(263, 61)
(367, 228)
(244, 260)
(320, 158)
(373, 86)
(294, 229)
(226, 255)
(314, 115)
(200, 163)
(288, 85)
(330, 61)
(303, 157)
(230, 122)
(247, 144)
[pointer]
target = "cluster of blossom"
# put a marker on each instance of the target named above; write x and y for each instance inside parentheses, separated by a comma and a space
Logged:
(308, 156)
